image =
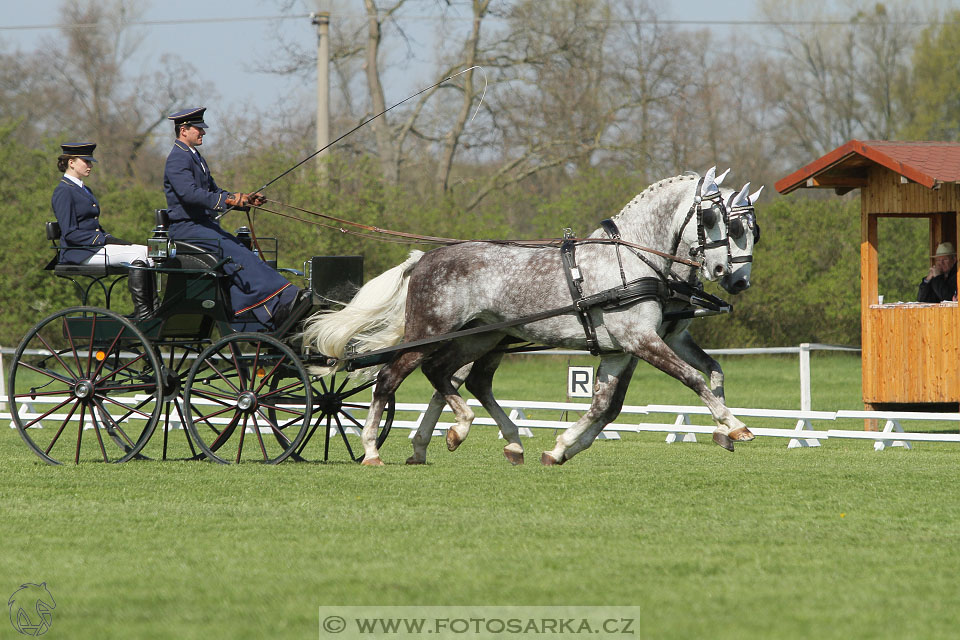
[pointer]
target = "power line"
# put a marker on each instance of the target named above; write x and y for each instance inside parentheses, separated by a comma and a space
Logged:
(612, 21)
(151, 23)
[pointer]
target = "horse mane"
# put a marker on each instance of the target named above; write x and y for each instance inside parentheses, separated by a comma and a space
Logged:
(656, 186)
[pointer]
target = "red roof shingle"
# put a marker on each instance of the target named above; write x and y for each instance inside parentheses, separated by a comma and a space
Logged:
(923, 162)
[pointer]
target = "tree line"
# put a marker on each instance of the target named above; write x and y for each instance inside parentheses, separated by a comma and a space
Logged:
(586, 103)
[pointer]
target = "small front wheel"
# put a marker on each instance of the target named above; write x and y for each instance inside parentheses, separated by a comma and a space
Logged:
(242, 387)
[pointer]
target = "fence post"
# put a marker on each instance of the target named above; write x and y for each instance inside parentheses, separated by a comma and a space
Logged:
(3, 376)
(805, 403)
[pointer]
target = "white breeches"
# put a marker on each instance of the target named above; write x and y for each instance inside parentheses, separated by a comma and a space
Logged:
(116, 255)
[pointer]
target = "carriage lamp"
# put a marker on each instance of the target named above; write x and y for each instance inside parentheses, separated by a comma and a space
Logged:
(158, 244)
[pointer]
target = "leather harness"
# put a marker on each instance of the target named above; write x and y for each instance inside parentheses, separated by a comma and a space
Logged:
(659, 288)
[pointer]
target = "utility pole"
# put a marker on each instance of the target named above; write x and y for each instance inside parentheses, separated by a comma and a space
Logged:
(322, 21)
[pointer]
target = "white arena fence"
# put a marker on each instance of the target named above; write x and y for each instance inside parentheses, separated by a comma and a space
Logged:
(809, 428)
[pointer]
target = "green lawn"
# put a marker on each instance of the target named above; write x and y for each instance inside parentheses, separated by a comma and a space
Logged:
(835, 542)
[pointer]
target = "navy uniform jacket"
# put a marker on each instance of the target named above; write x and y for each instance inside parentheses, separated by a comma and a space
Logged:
(78, 213)
(193, 199)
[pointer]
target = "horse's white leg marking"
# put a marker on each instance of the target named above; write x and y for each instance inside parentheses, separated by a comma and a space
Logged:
(649, 347)
(421, 439)
(439, 369)
(613, 379)
(388, 380)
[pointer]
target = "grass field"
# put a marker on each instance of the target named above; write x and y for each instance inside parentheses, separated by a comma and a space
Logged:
(835, 542)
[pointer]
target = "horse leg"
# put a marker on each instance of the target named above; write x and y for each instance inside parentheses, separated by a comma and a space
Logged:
(650, 347)
(691, 353)
(421, 439)
(610, 389)
(439, 369)
(388, 380)
(480, 384)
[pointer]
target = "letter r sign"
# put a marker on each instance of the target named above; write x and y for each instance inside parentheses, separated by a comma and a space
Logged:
(579, 382)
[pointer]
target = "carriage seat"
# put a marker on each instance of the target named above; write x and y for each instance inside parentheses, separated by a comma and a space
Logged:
(69, 270)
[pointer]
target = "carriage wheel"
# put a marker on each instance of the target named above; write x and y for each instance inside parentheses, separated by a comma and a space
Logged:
(341, 407)
(85, 369)
(240, 387)
(167, 444)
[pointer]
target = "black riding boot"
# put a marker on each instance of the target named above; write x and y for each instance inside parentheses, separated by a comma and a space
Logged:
(140, 283)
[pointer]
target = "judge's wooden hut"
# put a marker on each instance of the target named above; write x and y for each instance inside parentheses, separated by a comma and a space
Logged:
(911, 351)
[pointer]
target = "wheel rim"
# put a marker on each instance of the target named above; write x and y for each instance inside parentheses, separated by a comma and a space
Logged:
(84, 387)
(242, 388)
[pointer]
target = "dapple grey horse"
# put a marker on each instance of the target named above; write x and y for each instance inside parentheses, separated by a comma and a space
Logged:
(743, 233)
(480, 283)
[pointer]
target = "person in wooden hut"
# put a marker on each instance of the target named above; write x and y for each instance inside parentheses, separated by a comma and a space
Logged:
(940, 284)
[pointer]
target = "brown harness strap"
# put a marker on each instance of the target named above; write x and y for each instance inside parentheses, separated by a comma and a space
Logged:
(549, 242)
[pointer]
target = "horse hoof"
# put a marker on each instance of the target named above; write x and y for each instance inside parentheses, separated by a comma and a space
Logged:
(723, 440)
(741, 434)
(415, 460)
(514, 457)
(548, 460)
(453, 440)
(372, 462)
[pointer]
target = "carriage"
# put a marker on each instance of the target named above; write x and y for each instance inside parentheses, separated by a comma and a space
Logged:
(90, 384)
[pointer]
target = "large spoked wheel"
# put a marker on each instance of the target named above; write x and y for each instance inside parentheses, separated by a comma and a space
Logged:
(242, 387)
(167, 444)
(84, 370)
(340, 408)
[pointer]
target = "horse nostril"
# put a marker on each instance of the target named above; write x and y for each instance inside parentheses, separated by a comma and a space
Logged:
(718, 270)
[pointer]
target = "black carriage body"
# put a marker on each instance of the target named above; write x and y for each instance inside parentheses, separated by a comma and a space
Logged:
(239, 395)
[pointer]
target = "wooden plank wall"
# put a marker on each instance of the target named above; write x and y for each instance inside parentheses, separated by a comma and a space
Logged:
(913, 354)
(910, 354)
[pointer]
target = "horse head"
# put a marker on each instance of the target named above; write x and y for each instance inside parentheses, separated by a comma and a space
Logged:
(707, 240)
(744, 233)
(684, 216)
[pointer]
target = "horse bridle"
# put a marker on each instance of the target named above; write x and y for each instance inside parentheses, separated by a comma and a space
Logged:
(739, 220)
(706, 218)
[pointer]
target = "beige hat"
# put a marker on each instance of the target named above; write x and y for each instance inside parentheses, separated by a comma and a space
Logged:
(944, 249)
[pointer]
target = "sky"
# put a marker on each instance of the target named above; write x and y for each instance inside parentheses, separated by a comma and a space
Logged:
(226, 48)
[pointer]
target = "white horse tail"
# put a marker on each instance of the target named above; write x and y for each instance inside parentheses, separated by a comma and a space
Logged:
(374, 319)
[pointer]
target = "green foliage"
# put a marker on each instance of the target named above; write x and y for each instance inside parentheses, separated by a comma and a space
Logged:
(805, 278)
(584, 201)
(933, 95)
(903, 256)
(27, 292)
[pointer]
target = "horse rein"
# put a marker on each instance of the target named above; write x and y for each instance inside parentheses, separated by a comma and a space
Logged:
(414, 238)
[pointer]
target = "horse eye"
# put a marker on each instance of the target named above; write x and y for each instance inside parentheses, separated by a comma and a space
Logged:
(756, 233)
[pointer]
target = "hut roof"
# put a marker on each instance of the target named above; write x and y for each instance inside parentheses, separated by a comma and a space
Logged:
(845, 168)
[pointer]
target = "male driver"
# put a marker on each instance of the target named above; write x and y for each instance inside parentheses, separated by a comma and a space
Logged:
(940, 283)
(193, 202)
